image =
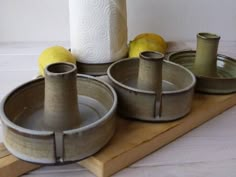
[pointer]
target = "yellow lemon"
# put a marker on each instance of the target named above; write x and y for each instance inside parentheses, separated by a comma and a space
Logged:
(153, 36)
(54, 54)
(144, 44)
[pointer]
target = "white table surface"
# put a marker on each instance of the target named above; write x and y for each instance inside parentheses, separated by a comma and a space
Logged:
(207, 151)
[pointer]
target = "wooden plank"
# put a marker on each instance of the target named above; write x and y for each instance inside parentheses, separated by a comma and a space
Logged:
(134, 140)
(3, 151)
(10, 166)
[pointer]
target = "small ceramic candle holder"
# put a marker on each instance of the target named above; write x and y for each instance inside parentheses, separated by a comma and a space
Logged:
(206, 55)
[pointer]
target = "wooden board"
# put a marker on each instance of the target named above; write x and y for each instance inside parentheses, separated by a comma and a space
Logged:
(133, 140)
(10, 166)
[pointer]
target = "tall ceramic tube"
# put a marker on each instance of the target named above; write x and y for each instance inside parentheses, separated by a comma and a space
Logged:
(98, 30)
(60, 103)
(150, 71)
(206, 55)
(150, 75)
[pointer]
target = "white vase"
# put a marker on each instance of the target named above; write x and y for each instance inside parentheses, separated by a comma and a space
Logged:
(98, 30)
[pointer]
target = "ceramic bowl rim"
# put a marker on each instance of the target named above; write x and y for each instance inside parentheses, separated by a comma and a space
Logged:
(186, 89)
(18, 128)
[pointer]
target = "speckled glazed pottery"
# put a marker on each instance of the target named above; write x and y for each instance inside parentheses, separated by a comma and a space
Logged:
(215, 73)
(152, 89)
(206, 55)
(74, 121)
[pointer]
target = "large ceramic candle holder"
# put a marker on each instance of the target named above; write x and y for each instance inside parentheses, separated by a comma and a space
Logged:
(151, 89)
(215, 73)
(74, 121)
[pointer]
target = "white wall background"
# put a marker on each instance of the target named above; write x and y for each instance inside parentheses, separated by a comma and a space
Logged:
(47, 20)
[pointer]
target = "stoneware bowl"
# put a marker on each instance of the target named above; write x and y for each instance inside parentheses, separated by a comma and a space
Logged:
(46, 130)
(215, 73)
(165, 94)
(223, 83)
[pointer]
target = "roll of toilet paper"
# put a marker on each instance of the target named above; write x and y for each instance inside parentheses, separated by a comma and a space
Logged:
(98, 30)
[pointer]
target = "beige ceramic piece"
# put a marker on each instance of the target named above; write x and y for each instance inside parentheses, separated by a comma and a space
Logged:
(150, 76)
(176, 95)
(206, 55)
(224, 83)
(215, 73)
(30, 136)
(61, 111)
(93, 69)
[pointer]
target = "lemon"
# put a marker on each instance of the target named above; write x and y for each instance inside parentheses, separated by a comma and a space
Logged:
(54, 54)
(144, 44)
(153, 36)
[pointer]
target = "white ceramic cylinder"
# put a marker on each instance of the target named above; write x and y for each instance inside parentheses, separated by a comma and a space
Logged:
(98, 30)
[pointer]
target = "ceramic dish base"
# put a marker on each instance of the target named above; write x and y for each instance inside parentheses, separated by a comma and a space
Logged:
(92, 69)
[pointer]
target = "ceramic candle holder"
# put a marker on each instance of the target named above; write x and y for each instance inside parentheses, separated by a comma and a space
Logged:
(60, 119)
(61, 111)
(215, 73)
(150, 74)
(148, 92)
(206, 55)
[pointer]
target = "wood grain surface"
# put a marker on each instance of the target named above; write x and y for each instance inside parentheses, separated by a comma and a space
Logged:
(10, 166)
(134, 139)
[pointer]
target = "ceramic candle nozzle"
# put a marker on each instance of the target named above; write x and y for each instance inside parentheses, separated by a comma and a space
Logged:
(205, 63)
(150, 71)
(60, 103)
(150, 75)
